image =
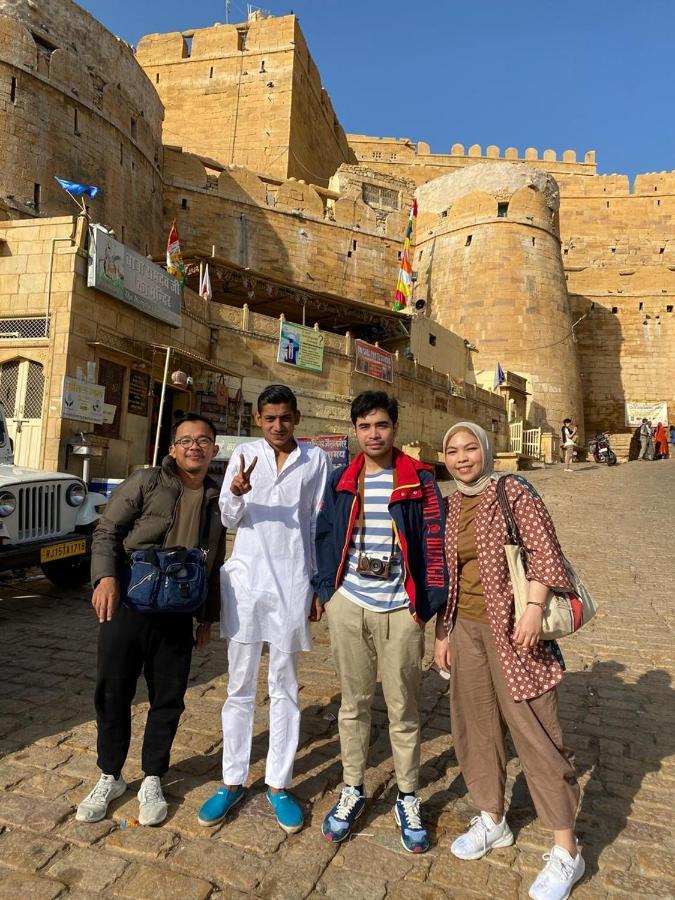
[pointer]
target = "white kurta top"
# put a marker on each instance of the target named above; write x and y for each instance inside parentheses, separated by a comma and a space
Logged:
(265, 585)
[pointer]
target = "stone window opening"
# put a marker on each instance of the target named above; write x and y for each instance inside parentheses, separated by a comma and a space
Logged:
(183, 203)
(262, 67)
(641, 307)
(44, 54)
(566, 251)
(187, 46)
(123, 233)
(444, 214)
(669, 308)
(37, 196)
(211, 72)
(615, 309)
(12, 90)
(467, 242)
(608, 204)
(121, 153)
(377, 154)
(399, 254)
(133, 128)
(502, 210)
(156, 77)
(354, 246)
(241, 39)
(533, 242)
(76, 123)
(662, 250)
(432, 340)
(658, 203)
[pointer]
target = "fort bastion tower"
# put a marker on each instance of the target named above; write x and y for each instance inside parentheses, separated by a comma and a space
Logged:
(489, 264)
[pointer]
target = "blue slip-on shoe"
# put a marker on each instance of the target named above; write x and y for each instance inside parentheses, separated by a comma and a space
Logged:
(341, 818)
(218, 806)
(414, 836)
(286, 809)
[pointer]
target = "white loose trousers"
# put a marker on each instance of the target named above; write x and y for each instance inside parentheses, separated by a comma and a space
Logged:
(239, 710)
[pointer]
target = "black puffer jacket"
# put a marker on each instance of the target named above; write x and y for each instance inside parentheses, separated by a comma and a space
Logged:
(139, 515)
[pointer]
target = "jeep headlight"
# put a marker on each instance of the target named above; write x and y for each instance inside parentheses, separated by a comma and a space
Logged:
(7, 503)
(75, 494)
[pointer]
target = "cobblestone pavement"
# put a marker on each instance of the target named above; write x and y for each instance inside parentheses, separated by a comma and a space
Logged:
(616, 705)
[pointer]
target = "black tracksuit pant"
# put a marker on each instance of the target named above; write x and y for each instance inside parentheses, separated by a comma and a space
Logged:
(160, 646)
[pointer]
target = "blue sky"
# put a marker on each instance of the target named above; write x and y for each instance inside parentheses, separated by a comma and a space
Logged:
(580, 74)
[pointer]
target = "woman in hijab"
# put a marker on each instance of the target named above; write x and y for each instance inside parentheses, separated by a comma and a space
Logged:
(503, 675)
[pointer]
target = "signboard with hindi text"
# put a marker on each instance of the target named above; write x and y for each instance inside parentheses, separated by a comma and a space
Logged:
(301, 347)
(655, 411)
(335, 445)
(373, 361)
(82, 401)
(133, 279)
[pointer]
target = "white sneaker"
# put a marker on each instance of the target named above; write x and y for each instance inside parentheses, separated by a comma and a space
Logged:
(95, 805)
(482, 836)
(559, 875)
(153, 807)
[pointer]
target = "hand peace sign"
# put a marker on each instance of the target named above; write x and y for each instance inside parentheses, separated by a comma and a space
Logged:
(241, 483)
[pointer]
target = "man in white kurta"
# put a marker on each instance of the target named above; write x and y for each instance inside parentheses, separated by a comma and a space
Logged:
(266, 595)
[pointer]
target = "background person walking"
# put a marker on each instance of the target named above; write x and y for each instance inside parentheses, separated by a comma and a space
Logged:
(503, 675)
(568, 435)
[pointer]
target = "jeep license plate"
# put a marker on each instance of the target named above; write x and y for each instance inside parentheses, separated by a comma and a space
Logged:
(60, 551)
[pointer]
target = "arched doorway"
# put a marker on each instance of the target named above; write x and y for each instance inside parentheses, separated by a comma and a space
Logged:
(22, 391)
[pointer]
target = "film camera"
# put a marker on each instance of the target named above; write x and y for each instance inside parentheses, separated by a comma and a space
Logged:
(374, 565)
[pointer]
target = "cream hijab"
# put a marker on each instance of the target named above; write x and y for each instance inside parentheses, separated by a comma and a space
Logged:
(473, 488)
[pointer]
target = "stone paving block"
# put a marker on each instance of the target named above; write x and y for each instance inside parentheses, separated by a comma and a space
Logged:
(40, 757)
(336, 884)
(28, 812)
(252, 834)
(27, 852)
(84, 834)
(11, 775)
(143, 881)
(149, 843)
(213, 859)
(15, 885)
(88, 870)
(48, 785)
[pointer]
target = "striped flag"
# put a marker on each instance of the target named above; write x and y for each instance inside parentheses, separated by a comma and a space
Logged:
(404, 285)
(174, 261)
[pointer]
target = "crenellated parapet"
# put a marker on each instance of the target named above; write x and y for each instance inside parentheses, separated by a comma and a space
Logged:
(397, 153)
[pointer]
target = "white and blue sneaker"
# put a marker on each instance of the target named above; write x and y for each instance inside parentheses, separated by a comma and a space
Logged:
(414, 836)
(559, 875)
(340, 820)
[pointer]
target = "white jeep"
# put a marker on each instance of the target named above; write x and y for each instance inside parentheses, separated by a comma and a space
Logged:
(46, 519)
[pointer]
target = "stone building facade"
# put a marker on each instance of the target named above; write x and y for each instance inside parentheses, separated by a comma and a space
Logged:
(535, 261)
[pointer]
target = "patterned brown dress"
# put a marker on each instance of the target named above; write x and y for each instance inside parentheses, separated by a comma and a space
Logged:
(528, 673)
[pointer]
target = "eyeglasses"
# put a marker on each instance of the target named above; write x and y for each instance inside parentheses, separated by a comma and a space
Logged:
(186, 442)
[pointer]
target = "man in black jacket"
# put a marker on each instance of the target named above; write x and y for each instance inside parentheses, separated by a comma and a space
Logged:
(174, 505)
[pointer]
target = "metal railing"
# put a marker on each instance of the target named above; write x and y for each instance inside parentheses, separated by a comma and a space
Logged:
(525, 441)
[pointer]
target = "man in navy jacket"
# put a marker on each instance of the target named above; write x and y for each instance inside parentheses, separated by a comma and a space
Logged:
(381, 575)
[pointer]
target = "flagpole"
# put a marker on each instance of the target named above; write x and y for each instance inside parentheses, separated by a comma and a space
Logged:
(161, 406)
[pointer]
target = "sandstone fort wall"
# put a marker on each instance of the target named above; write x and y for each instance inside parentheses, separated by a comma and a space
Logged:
(75, 103)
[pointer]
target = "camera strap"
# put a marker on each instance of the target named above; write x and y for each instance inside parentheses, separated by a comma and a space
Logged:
(361, 522)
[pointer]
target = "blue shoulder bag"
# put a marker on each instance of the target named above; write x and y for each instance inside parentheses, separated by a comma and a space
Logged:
(171, 580)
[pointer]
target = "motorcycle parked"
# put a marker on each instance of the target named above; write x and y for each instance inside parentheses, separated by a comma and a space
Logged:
(602, 451)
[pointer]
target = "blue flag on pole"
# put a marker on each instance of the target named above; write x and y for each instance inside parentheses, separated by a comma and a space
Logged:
(77, 190)
(499, 378)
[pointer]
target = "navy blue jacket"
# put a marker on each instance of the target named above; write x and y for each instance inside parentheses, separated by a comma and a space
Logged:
(417, 511)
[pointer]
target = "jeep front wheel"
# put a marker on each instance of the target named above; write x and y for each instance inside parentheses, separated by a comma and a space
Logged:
(66, 573)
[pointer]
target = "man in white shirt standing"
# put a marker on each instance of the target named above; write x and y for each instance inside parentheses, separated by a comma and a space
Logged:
(272, 496)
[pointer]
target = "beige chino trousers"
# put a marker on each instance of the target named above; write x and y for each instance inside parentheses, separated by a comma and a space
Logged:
(481, 710)
(363, 641)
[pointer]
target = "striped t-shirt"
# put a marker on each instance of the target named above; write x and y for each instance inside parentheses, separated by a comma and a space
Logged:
(382, 595)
